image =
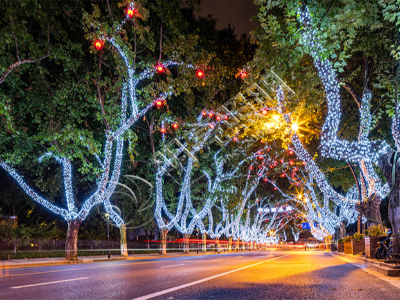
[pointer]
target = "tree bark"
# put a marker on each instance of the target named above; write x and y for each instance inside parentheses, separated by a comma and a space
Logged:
(123, 242)
(163, 233)
(371, 210)
(185, 243)
(71, 245)
(386, 163)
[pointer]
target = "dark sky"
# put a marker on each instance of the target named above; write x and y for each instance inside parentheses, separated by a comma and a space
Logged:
(235, 12)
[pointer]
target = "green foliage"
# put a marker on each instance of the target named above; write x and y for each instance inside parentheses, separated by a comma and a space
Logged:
(357, 236)
(347, 238)
(340, 241)
(375, 230)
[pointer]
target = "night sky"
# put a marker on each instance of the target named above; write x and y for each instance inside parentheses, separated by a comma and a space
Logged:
(235, 12)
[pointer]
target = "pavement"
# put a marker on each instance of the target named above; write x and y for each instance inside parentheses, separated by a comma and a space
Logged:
(234, 275)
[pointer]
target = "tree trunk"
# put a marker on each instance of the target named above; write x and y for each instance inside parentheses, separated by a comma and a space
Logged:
(251, 245)
(217, 244)
(122, 240)
(185, 243)
(163, 233)
(386, 162)
(244, 245)
(237, 244)
(371, 210)
(342, 231)
(230, 244)
(71, 245)
(40, 247)
(204, 242)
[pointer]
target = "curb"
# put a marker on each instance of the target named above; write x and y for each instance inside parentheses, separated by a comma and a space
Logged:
(375, 265)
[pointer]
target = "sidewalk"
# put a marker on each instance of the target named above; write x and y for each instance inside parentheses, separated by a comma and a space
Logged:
(37, 262)
(376, 265)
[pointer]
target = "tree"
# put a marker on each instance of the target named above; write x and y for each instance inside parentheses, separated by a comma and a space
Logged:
(110, 164)
(17, 236)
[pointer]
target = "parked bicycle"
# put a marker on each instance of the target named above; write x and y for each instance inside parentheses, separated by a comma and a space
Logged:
(385, 249)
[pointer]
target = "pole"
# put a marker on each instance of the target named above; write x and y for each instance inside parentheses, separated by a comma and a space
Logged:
(108, 236)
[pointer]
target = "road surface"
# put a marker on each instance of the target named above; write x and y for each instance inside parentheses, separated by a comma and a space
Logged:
(237, 275)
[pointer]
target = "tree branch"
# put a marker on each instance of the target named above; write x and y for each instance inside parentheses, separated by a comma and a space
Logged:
(109, 9)
(351, 90)
(99, 94)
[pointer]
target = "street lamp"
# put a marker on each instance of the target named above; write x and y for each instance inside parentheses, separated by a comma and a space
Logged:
(108, 233)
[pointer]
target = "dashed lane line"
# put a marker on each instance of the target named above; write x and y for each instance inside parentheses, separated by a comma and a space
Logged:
(46, 283)
(160, 293)
(77, 269)
(172, 266)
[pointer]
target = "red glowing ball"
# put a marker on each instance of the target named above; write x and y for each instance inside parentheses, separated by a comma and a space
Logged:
(235, 139)
(274, 188)
(159, 103)
(212, 126)
(265, 179)
(204, 113)
(98, 45)
(290, 152)
(251, 167)
(243, 74)
(218, 118)
(264, 111)
(226, 117)
(291, 163)
(304, 163)
(283, 175)
(160, 69)
(200, 74)
(260, 157)
(163, 130)
(295, 169)
(131, 12)
(175, 126)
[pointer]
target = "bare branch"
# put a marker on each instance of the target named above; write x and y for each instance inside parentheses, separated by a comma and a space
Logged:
(351, 90)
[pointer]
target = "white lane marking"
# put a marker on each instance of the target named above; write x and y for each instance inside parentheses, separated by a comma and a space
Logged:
(172, 266)
(392, 280)
(216, 259)
(45, 283)
(202, 280)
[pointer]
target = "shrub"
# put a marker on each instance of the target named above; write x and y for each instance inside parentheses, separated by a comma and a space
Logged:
(357, 236)
(376, 230)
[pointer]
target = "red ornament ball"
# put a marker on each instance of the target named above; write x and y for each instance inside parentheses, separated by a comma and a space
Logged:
(98, 45)
(200, 74)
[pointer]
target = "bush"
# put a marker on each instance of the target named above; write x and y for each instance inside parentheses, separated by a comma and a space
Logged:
(341, 241)
(357, 236)
(347, 239)
(376, 230)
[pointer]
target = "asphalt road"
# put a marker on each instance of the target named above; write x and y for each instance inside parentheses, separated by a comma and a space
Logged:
(238, 275)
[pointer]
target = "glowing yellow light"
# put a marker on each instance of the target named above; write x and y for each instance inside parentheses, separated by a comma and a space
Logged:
(295, 126)
(276, 118)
